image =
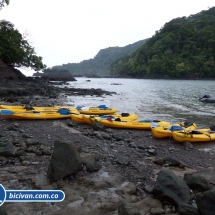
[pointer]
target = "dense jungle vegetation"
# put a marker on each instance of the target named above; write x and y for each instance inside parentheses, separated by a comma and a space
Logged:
(100, 64)
(15, 50)
(182, 48)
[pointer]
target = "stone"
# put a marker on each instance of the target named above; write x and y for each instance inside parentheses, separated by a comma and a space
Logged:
(171, 188)
(197, 182)
(8, 150)
(206, 202)
(65, 160)
(185, 209)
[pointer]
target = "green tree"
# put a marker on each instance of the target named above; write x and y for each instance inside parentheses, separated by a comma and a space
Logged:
(182, 48)
(15, 50)
(3, 3)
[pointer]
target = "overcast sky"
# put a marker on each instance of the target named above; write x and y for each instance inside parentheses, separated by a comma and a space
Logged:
(70, 31)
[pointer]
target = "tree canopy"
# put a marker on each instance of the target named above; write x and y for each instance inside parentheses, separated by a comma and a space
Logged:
(15, 49)
(100, 64)
(3, 3)
(182, 48)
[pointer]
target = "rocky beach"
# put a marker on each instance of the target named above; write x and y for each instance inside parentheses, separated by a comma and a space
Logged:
(102, 171)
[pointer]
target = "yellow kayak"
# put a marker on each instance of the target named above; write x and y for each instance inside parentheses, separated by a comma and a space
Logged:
(30, 107)
(78, 118)
(10, 107)
(36, 114)
(159, 131)
(99, 110)
(92, 119)
(143, 124)
(201, 135)
(25, 107)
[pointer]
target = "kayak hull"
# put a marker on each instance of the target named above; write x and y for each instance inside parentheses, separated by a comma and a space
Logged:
(144, 125)
(98, 111)
(78, 118)
(92, 119)
(37, 115)
(165, 132)
(194, 136)
(82, 110)
(22, 108)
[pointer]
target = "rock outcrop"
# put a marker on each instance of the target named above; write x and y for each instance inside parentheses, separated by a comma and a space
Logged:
(10, 73)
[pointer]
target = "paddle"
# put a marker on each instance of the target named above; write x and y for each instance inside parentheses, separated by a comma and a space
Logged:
(60, 111)
(102, 106)
(66, 112)
(10, 112)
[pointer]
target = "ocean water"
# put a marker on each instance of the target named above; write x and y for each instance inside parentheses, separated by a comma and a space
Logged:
(169, 100)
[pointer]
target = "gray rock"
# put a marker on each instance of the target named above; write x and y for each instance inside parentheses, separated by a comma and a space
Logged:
(9, 150)
(197, 182)
(103, 135)
(117, 137)
(30, 142)
(89, 156)
(173, 162)
(123, 161)
(12, 128)
(25, 163)
(3, 143)
(157, 211)
(185, 209)
(169, 161)
(152, 151)
(70, 124)
(65, 160)
(171, 188)
(46, 151)
(2, 211)
(98, 127)
(206, 203)
(26, 136)
(127, 209)
(187, 145)
(159, 162)
(20, 153)
(93, 166)
(132, 145)
(148, 189)
(2, 134)
(149, 206)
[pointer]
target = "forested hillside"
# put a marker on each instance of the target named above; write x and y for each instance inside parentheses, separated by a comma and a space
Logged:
(100, 64)
(182, 48)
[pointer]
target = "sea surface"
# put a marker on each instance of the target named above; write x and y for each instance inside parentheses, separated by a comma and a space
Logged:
(169, 100)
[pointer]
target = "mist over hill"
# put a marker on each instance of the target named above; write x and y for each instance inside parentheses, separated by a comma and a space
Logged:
(101, 63)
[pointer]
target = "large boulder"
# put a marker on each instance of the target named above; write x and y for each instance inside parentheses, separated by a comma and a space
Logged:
(58, 76)
(10, 73)
(65, 160)
(206, 202)
(197, 182)
(170, 187)
(185, 209)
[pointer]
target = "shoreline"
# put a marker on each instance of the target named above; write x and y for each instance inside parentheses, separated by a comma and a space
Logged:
(131, 153)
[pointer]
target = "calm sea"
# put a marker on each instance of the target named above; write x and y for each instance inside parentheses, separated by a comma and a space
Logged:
(169, 100)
